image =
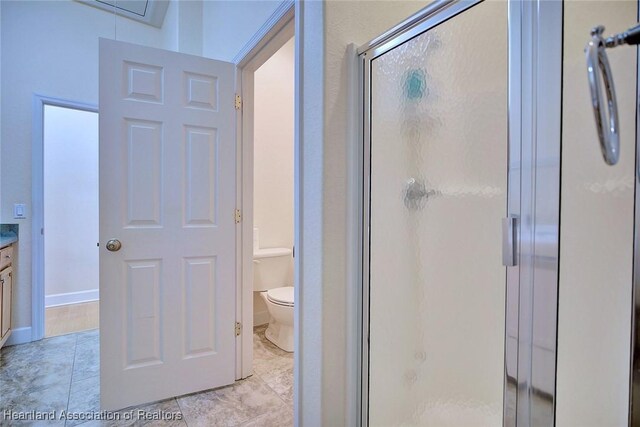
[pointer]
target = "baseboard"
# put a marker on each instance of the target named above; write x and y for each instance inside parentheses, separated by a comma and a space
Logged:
(19, 336)
(260, 318)
(71, 298)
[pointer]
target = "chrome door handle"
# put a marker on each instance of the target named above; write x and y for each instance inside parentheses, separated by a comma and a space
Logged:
(510, 241)
(114, 245)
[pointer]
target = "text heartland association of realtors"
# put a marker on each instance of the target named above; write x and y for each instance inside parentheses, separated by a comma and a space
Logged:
(135, 414)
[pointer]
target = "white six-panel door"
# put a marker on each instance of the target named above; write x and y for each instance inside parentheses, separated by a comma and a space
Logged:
(167, 193)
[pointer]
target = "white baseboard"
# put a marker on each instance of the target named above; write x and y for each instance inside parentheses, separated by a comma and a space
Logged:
(19, 336)
(71, 298)
(260, 318)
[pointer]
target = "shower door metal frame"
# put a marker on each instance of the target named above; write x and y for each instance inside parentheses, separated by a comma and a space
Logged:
(634, 368)
(535, 62)
(535, 133)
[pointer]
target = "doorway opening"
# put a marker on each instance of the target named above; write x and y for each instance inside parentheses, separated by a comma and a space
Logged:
(65, 168)
(70, 189)
(266, 71)
(273, 224)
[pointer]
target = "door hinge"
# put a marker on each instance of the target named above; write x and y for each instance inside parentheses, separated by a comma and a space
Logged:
(238, 328)
(238, 216)
(238, 102)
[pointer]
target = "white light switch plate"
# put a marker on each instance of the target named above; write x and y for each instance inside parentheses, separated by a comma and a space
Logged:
(19, 211)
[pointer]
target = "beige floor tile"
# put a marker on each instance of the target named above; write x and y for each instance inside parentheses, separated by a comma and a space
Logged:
(62, 372)
(230, 406)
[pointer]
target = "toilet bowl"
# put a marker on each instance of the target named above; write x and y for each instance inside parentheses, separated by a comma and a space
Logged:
(270, 271)
(279, 303)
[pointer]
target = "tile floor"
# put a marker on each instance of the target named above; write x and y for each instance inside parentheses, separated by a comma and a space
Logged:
(62, 373)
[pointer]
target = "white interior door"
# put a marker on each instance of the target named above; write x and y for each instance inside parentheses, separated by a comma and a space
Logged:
(167, 193)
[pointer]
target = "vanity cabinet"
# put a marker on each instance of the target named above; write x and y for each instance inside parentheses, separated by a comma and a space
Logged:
(6, 290)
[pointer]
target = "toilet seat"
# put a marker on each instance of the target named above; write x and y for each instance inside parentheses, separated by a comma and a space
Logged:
(281, 296)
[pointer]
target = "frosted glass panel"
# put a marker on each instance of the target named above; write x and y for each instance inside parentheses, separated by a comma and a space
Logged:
(438, 193)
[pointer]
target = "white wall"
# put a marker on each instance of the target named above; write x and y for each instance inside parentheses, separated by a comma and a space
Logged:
(596, 240)
(325, 145)
(183, 27)
(230, 24)
(1, 102)
(49, 48)
(273, 158)
(70, 205)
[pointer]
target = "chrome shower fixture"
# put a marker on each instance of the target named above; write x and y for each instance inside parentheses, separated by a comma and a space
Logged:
(598, 69)
(416, 194)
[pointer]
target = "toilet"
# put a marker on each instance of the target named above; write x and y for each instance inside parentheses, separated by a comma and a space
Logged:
(270, 270)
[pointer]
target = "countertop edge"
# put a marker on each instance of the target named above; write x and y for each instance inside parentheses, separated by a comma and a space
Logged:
(7, 240)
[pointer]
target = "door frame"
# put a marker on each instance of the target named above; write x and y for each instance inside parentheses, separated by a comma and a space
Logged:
(278, 30)
(37, 203)
(534, 131)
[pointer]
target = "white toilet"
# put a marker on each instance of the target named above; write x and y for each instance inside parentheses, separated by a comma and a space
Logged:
(270, 270)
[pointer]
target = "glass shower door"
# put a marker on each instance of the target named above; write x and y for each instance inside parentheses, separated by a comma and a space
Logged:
(438, 192)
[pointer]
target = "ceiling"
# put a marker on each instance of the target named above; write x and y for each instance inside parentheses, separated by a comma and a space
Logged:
(151, 12)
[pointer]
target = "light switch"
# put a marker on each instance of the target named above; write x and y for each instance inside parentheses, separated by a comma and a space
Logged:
(19, 211)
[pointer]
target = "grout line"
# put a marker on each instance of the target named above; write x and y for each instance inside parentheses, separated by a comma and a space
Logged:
(184, 418)
(271, 388)
(73, 365)
(275, 392)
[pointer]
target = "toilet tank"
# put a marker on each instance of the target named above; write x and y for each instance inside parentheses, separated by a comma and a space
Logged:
(270, 268)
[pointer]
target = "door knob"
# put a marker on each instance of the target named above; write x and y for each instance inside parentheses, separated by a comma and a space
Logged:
(114, 245)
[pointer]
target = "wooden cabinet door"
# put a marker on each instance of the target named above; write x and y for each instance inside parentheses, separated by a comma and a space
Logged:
(5, 282)
(1, 307)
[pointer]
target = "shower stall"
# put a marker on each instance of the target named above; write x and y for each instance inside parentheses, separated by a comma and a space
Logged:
(454, 235)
